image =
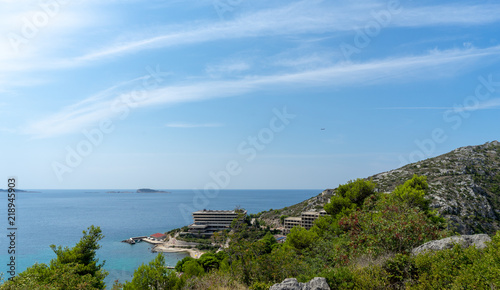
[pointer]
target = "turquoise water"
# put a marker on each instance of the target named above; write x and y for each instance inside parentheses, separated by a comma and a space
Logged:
(59, 217)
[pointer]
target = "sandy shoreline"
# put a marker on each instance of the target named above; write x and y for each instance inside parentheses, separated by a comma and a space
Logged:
(194, 253)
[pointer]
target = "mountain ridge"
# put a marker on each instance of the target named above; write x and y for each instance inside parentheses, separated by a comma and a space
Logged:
(464, 188)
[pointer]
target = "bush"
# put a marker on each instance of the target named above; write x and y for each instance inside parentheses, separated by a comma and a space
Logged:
(192, 268)
(154, 275)
(339, 278)
(460, 268)
(178, 266)
(350, 196)
(74, 268)
(400, 270)
(300, 238)
(393, 228)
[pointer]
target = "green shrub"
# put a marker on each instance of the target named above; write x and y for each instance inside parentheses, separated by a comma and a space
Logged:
(460, 268)
(154, 275)
(401, 269)
(339, 278)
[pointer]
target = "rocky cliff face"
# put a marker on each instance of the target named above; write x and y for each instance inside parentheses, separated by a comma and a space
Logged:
(464, 185)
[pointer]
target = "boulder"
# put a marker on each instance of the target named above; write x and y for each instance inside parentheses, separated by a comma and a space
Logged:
(317, 283)
(465, 241)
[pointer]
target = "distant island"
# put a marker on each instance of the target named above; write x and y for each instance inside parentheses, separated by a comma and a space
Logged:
(19, 190)
(117, 191)
(149, 190)
(140, 190)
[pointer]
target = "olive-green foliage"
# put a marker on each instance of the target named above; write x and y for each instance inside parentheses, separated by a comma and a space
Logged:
(74, 268)
(460, 268)
(192, 268)
(370, 278)
(392, 227)
(205, 264)
(456, 268)
(326, 227)
(262, 261)
(339, 278)
(83, 254)
(400, 270)
(155, 275)
(41, 276)
(300, 238)
(209, 261)
(339, 205)
(350, 196)
(268, 243)
(178, 266)
(413, 192)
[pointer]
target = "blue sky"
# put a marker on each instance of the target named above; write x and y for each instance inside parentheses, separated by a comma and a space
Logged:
(240, 94)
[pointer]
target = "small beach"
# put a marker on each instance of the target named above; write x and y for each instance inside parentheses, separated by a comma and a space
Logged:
(194, 253)
(172, 245)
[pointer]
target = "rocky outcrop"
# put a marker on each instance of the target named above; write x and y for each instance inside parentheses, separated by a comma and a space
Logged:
(317, 283)
(465, 241)
(463, 185)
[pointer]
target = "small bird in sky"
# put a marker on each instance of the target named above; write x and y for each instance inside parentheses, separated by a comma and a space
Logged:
(322, 129)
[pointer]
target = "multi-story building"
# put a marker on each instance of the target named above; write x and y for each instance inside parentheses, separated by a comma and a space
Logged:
(306, 220)
(207, 222)
(289, 223)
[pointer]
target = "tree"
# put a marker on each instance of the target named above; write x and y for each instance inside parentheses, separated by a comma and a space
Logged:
(269, 243)
(74, 268)
(209, 261)
(83, 255)
(41, 276)
(350, 196)
(180, 264)
(192, 268)
(155, 275)
(300, 238)
(413, 192)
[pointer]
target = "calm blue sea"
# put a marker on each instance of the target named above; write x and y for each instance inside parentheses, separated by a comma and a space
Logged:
(59, 217)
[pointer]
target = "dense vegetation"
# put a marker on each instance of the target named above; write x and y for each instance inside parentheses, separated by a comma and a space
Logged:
(74, 268)
(364, 243)
(464, 186)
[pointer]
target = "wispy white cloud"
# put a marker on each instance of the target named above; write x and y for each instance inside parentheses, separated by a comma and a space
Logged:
(431, 65)
(193, 125)
(295, 19)
(227, 68)
(414, 108)
(486, 105)
(447, 14)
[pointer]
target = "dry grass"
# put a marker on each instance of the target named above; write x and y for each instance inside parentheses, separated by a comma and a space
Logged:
(368, 261)
(214, 280)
